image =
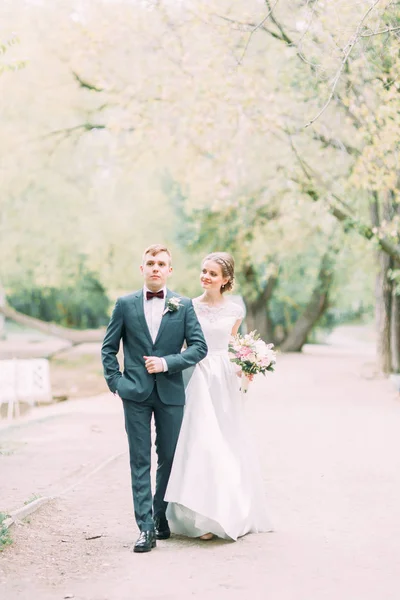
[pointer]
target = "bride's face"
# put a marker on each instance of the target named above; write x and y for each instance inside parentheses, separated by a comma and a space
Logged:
(211, 277)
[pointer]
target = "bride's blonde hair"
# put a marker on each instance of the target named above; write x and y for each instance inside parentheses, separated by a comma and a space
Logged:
(227, 264)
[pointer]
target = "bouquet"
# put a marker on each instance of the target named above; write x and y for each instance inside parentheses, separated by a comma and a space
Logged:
(252, 355)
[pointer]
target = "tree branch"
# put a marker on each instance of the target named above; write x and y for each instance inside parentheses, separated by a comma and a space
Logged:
(334, 143)
(245, 27)
(284, 35)
(306, 30)
(256, 28)
(85, 84)
(344, 212)
(350, 46)
(68, 130)
(382, 31)
(74, 336)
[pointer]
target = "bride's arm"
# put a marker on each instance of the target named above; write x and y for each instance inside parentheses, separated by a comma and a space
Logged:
(235, 328)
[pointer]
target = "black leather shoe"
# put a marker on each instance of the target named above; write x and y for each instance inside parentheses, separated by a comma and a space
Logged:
(162, 529)
(145, 542)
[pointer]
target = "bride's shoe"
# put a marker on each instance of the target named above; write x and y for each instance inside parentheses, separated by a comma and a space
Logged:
(207, 536)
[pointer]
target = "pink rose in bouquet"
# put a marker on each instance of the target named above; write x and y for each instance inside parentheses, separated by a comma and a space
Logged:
(252, 355)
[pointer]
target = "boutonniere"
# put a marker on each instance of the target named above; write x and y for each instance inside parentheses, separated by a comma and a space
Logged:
(173, 304)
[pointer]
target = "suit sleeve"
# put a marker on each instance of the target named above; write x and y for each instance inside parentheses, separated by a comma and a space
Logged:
(196, 344)
(110, 348)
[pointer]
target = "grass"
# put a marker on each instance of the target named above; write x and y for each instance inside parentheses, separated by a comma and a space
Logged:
(32, 499)
(5, 536)
(79, 361)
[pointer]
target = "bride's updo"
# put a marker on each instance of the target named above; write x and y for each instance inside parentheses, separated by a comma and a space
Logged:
(227, 264)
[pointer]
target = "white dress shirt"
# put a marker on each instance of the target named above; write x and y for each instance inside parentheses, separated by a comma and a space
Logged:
(153, 312)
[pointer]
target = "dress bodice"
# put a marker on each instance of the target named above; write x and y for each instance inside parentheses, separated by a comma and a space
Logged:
(217, 322)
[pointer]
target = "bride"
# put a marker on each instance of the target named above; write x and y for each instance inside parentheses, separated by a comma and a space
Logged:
(215, 488)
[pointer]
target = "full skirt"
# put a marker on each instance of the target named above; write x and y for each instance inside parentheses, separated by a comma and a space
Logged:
(215, 484)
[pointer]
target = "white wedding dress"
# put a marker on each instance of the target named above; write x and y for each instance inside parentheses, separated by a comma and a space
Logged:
(215, 485)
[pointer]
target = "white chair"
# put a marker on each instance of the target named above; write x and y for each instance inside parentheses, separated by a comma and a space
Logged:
(8, 387)
(33, 381)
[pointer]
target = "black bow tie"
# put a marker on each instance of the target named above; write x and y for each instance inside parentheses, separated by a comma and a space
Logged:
(150, 295)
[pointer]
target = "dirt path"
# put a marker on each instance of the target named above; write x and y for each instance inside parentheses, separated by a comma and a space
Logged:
(329, 444)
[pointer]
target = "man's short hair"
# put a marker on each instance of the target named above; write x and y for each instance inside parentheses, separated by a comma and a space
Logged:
(155, 249)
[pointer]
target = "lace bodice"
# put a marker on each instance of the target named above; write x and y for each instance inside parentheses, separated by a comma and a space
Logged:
(217, 322)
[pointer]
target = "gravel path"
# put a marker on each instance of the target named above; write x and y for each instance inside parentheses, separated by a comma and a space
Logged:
(328, 439)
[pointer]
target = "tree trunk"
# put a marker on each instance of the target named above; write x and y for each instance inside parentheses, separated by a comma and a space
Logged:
(2, 317)
(257, 315)
(395, 332)
(315, 308)
(257, 318)
(75, 336)
(383, 313)
(395, 316)
(382, 208)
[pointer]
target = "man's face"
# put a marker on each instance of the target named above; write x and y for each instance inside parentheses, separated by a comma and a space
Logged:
(156, 270)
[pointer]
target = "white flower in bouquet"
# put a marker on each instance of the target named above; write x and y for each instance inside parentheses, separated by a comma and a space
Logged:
(261, 347)
(252, 357)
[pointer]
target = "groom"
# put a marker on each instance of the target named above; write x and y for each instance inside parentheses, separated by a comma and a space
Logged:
(153, 324)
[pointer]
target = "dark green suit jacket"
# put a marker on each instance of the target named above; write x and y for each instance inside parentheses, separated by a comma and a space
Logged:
(129, 324)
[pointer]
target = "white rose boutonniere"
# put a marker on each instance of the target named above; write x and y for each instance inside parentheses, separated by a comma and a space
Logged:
(173, 304)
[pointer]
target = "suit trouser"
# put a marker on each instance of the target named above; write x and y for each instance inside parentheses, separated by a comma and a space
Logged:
(168, 420)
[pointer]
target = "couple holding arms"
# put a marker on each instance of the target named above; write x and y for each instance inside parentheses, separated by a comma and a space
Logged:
(207, 481)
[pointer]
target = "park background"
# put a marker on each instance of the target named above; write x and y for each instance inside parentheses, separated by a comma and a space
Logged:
(205, 126)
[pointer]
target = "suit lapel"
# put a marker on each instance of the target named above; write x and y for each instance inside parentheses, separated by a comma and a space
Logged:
(164, 317)
(140, 313)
